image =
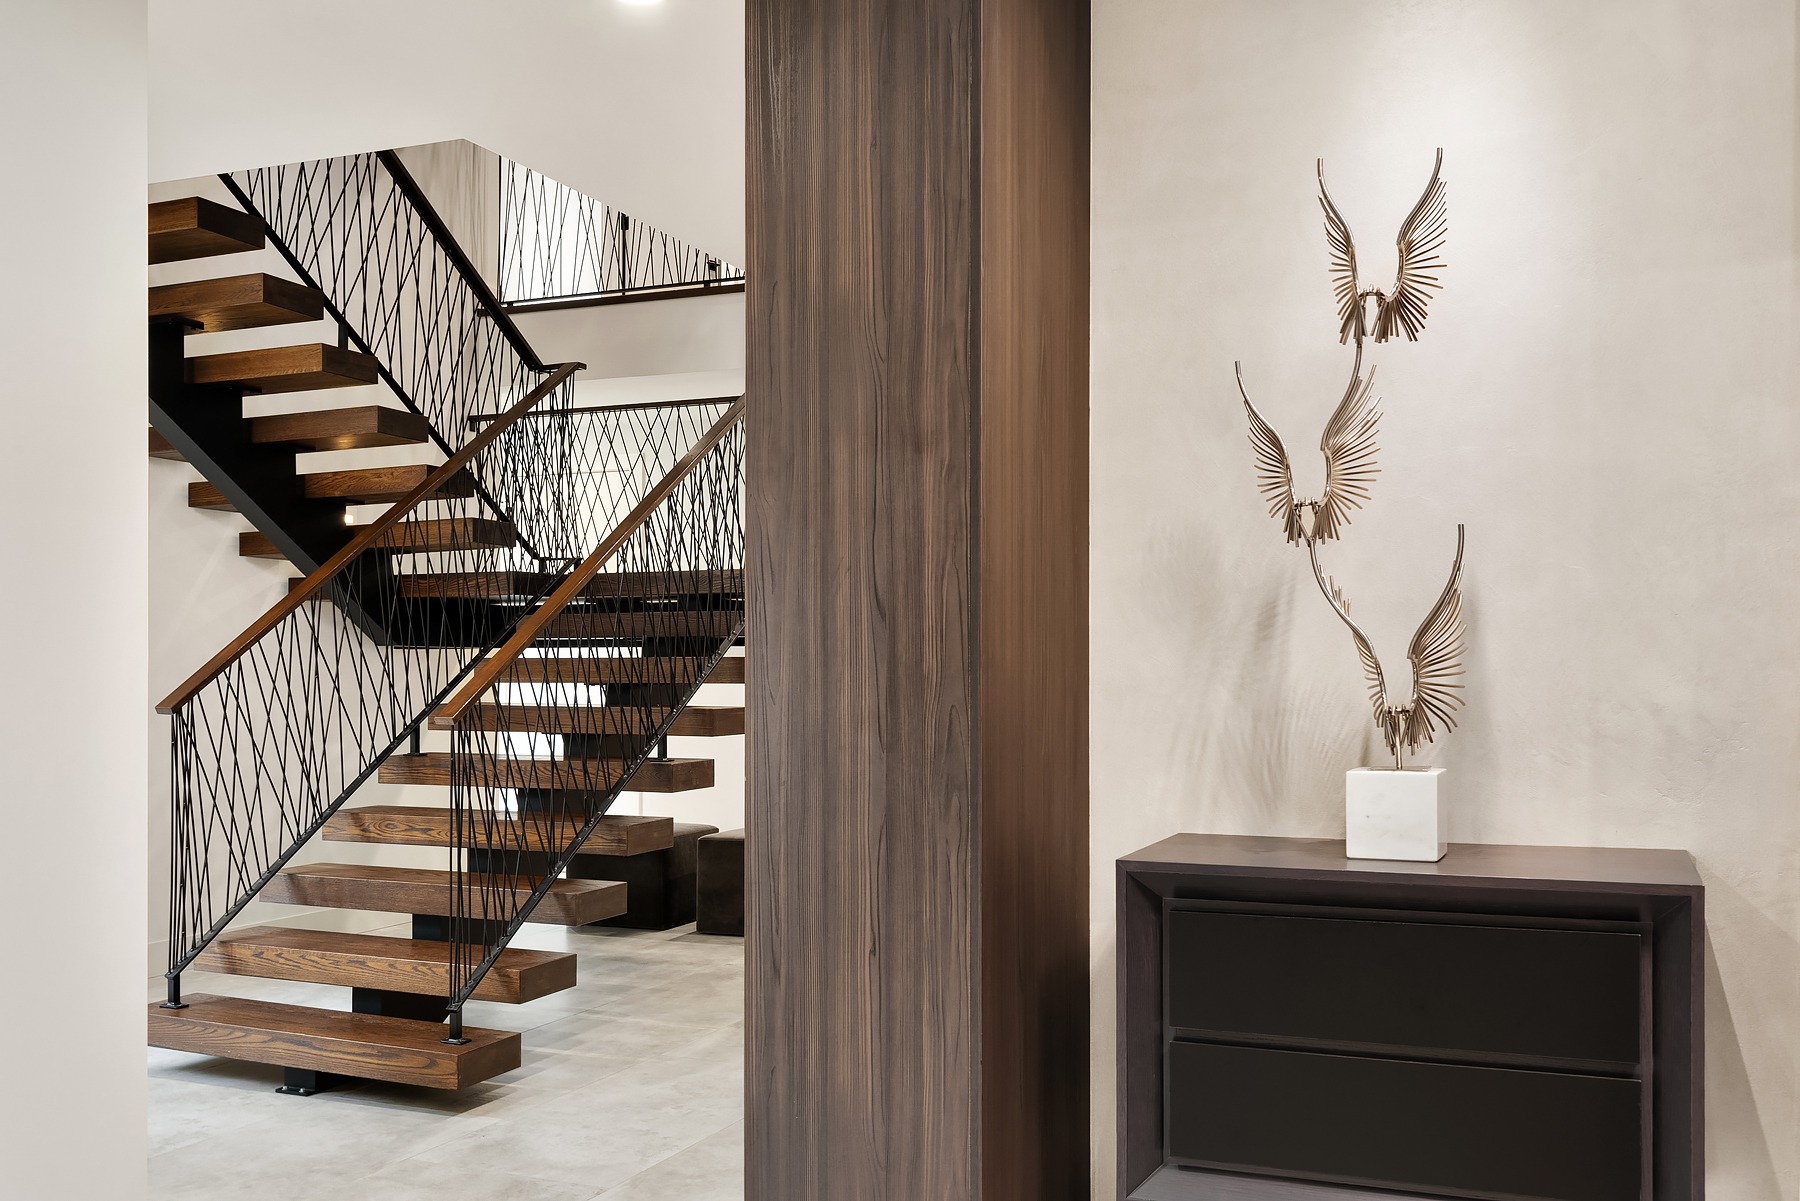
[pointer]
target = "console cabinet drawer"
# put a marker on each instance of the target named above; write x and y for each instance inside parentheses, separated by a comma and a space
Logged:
(1442, 1128)
(1555, 994)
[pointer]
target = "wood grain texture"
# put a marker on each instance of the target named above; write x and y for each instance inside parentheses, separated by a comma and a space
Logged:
(632, 626)
(1033, 617)
(194, 227)
(432, 534)
(341, 429)
(328, 1040)
(373, 961)
(916, 378)
(412, 825)
(655, 775)
(381, 485)
(302, 368)
(422, 890)
(695, 721)
(237, 302)
(616, 670)
(202, 495)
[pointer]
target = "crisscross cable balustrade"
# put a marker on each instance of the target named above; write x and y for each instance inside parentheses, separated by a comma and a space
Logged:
(360, 230)
(558, 244)
(277, 731)
(551, 728)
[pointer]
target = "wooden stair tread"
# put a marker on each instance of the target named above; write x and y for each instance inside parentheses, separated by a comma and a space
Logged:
(656, 775)
(341, 429)
(606, 585)
(615, 669)
(365, 1045)
(203, 495)
(303, 368)
(380, 485)
(413, 825)
(254, 544)
(422, 536)
(695, 721)
(478, 584)
(449, 533)
(160, 448)
(412, 965)
(423, 890)
(194, 227)
(634, 624)
(237, 302)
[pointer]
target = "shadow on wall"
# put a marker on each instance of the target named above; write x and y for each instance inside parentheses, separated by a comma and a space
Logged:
(1739, 1162)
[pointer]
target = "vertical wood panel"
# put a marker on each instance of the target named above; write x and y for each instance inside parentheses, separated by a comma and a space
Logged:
(880, 872)
(1033, 416)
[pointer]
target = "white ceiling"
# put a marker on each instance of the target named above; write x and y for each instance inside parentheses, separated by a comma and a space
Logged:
(640, 106)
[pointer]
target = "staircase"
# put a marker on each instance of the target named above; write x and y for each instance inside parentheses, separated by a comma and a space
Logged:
(549, 597)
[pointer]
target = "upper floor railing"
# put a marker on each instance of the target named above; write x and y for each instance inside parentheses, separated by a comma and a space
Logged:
(559, 247)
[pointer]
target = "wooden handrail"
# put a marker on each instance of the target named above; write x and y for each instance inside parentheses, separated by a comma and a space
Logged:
(365, 539)
(488, 674)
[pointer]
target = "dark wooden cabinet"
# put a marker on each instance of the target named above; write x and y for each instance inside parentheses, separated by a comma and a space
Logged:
(1508, 1023)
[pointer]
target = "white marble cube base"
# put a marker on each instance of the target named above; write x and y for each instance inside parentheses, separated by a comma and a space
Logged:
(1394, 814)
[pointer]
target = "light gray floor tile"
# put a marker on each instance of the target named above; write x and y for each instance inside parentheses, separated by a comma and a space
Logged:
(632, 1082)
(710, 1170)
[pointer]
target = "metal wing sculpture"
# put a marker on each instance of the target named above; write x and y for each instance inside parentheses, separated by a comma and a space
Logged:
(1420, 243)
(1436, 657)
(1349, 447)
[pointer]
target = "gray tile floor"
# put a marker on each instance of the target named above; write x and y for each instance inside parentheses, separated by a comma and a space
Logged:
(631, 1089)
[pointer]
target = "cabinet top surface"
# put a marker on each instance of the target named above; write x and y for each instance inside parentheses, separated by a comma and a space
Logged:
(1464, 864)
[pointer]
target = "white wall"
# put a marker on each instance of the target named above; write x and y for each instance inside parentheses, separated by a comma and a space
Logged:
(1605, 393)
(72, 527)
(643, 107)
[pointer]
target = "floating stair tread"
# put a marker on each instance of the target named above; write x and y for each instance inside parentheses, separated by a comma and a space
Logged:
(341, 429)
(303, 368)
(432, 534)
(695, 721)
(423, 890)
(381, 485)
(413, 825)
(635, 624)
(656, 775)
(478, 584)
(202, 495)
(253, 544)
(616, 669)
(449, 533)
(607, 585)
(196, 228)
(160, 448)
(364, 1045)
(412, 965)
(237, 302)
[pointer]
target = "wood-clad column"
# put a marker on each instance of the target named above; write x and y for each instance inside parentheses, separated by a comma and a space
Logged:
(917, 485)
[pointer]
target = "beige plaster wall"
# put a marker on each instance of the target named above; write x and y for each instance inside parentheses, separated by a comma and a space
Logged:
(1605, 394)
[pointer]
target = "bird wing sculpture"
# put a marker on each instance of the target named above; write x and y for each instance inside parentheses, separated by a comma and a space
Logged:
(1436, 657)
(1349, 447)
(1401, 308)
(1344, 283)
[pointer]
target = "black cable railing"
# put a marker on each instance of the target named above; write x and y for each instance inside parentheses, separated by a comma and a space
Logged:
(552, 728)
(283, 725)
(559, 246)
